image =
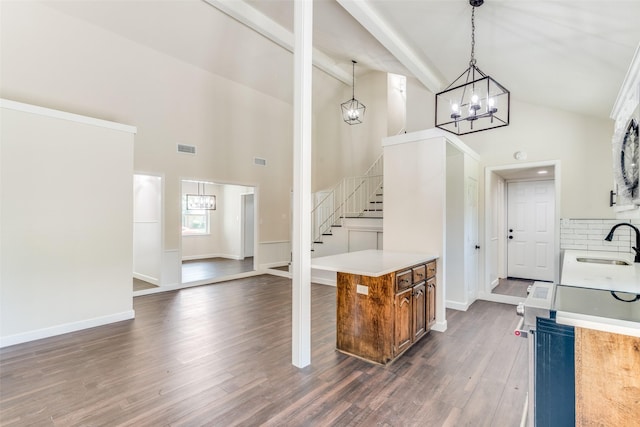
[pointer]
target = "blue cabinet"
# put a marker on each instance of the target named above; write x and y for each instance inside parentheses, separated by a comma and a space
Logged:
(555, 400)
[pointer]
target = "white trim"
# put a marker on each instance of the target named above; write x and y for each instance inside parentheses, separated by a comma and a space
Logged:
(278, 273)
(455, 305)
(485, 293)
(375, 24)
(177, 287)
(431, 133)
(65, 328)
(504, 299)
(268, 265)
(57, 114)
(440, 326)
(207, 256)
(148, 279)
(262, 24)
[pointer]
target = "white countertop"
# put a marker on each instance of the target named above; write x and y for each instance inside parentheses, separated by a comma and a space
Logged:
(624, 278)
(372, 262)
(584, 297)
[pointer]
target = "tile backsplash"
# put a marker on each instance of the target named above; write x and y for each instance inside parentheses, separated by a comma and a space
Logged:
(589, 234)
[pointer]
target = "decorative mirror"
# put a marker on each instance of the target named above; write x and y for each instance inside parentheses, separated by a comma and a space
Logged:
(629, 158)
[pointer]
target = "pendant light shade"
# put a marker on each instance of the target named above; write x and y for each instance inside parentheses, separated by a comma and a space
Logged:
(353, 110)
(201, 201)
(474, 101)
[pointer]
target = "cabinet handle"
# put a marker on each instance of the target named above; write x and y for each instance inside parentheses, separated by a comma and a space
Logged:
(420, 275)
(404, 281)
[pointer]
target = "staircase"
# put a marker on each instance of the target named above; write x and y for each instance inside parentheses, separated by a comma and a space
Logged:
(349, 216)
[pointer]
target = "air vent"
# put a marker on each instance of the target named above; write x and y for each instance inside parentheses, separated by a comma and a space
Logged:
(188, 149)
(260, 162)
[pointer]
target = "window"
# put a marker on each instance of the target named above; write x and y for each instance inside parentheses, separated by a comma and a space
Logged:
(194, 222)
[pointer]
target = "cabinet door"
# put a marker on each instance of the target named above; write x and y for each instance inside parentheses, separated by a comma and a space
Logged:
(403, 332)
(431, 302)
(419, 311)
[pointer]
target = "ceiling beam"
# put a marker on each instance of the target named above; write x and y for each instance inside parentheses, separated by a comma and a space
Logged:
(262, 24)
(427, 74)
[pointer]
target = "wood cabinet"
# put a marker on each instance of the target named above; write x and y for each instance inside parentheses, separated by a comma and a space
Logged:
(378, 318)
(607, 380)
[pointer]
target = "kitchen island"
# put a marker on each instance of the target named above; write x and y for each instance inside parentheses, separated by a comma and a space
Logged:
(599, 296)
(385, 301)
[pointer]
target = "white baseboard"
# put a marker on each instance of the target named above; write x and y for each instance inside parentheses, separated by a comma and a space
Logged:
(148, 279)
(504, 299)
(275, 272)
(455, 305)
(207, 256)
(65, 328)
(440, 326)
(179, 286)
(272, 264)
(323, 281)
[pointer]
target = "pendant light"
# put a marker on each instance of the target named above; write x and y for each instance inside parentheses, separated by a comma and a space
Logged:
(474, 101)
(201, 201)
(353, 110)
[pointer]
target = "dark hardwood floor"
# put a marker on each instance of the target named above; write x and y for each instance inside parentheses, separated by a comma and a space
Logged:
(513, 287)
(213, 268)
(140, 285)
(220, 355)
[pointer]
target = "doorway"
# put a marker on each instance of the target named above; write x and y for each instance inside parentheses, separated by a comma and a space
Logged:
(218, 240)
(147, 231)
(530, 258)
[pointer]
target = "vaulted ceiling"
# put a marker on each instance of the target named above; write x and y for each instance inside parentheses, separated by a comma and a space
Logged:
(571, 55)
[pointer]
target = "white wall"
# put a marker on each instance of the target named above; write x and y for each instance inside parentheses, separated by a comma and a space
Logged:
(56, 60)
(414, 207)
(495, 231)
(581, 143)
(455, 231)
(342, 150)
(147, 228)
(67, 224)
(396, 104)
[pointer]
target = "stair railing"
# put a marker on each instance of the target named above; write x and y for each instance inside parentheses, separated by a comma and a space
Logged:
(349, 198)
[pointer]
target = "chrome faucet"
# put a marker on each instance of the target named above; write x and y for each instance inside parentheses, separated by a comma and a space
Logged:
(636, 248)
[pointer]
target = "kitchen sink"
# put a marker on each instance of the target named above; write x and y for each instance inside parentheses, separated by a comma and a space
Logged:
(602, 261)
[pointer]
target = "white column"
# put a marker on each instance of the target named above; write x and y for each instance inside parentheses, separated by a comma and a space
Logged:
(301, 244)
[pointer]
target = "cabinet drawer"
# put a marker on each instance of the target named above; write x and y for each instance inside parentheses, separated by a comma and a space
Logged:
(403, 280)
(419, 273)
(431, 269)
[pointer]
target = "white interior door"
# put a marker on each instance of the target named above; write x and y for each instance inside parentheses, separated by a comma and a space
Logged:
(530, 230)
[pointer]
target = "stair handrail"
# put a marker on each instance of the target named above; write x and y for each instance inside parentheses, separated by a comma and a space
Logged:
(349, 197)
